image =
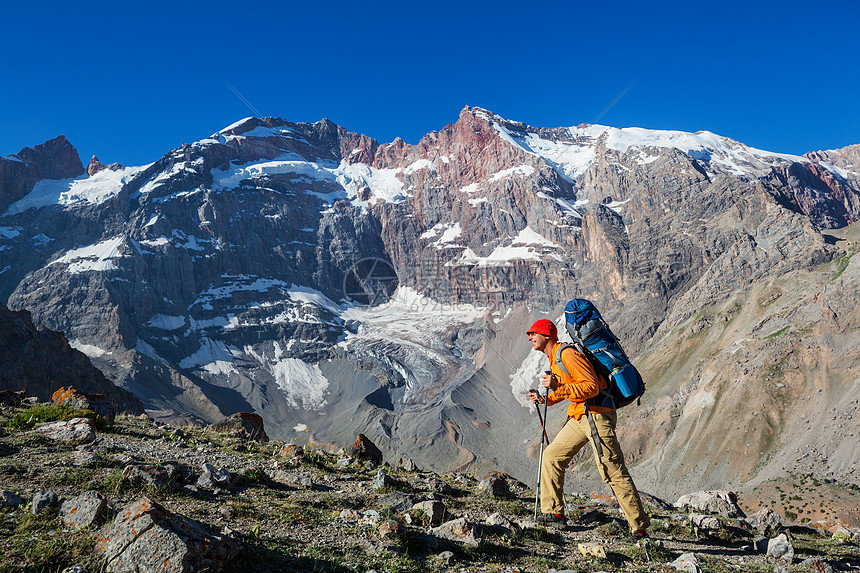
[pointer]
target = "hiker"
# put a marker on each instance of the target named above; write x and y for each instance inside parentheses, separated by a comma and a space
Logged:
(581, 385)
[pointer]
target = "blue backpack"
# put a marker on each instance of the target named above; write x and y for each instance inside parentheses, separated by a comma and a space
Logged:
(592, 337)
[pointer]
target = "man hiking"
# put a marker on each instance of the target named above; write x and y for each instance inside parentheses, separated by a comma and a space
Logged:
(578, 387)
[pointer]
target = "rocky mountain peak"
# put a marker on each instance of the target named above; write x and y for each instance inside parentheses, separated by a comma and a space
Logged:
(94, 166)
(54, 159)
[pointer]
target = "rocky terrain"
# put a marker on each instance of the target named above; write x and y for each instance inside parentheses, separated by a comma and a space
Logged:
(336, 285)
(137, 495)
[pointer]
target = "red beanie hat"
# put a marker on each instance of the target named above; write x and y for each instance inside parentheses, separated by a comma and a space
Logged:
(544, 326)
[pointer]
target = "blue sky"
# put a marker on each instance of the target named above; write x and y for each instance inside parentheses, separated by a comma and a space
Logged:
(130, 82)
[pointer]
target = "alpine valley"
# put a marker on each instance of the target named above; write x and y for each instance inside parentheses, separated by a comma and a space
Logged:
(336, 285)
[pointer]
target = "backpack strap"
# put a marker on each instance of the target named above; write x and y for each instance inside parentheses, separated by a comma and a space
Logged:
(604, 396)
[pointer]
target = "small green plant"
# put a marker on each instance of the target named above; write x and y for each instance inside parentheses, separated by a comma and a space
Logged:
(27, 419)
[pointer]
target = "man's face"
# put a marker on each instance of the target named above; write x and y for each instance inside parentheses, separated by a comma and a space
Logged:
(538, 341)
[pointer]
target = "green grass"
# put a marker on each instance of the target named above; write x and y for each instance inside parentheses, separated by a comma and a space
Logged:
(42, 543)
(841, 265)
(779, 332)
(28, 418)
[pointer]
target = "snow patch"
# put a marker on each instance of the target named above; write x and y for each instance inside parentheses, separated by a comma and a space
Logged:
(527, 377)
(523, 170)
(98, 257)
(94, 190)
(88, 349)
(304, 385)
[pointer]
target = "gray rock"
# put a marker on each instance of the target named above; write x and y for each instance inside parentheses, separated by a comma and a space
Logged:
(397, 501)
(83, 458)
(446, 557)
(434, 510)
(705, 522)
(344, 462)
(74, 430)
(382, 480)
(365, 450)
(85, 510)
(147, 538)
(817, 564)
(686, 562)
(780, 547)
(765, 520)
(149, 475)
(43, 500)
(75, 569)
(722, 502)
(214, 477)
(439, 486)
(499, 520)
(459, 530)
(9, 499)
(407, 464)
(495, 486)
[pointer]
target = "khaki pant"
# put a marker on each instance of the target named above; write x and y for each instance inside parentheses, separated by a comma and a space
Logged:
(572, 437)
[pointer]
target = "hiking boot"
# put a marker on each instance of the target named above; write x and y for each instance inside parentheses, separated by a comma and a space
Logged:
(554, 519)
(637, 535)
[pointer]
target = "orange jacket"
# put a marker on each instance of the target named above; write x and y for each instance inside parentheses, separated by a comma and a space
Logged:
(581, 385)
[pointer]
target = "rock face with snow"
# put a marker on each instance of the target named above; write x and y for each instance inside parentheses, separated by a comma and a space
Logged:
(19, 173)
(334, 284)
(38, 362)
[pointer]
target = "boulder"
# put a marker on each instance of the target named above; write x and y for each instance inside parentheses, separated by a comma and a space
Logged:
(779, 547)
(74, 430)
(407, 465)
(817, 564)
(43, 500)
(686, 562)
(765, 520)
(383, 480)
(12, 398)
(391, 528)
(722, 502)
(397, 501)
(83, 458)
(149, 474)
(85, 510)
(365, 450)
(705, 522)
(835, 528)
(495, 485)
(439, 486)
(292, 451)
(147, 538)
(9, 499)
(459, 530)
(80, 400)
(434, 510)
(499, 520)
(213, 477)
(244, 424)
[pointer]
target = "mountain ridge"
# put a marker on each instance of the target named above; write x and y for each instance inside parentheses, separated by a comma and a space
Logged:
(229, 274)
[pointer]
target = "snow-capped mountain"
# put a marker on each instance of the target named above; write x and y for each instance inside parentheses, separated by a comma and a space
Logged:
(334, 284)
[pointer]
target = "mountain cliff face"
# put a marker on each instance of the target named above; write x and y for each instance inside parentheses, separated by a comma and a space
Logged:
(335, 284)
(39, 362)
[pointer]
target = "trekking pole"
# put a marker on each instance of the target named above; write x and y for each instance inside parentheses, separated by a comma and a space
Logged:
(540, 458)
(543, 437)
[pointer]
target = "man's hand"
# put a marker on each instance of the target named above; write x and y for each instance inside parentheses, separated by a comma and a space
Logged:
(549, 381)
(535, 397)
